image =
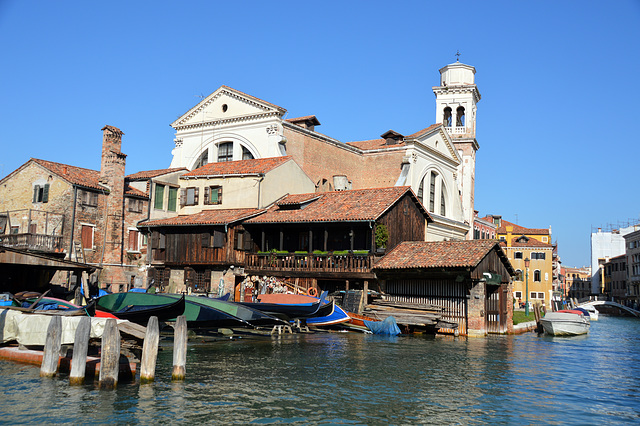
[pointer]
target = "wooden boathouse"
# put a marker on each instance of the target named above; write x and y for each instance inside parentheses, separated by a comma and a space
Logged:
(469, 280)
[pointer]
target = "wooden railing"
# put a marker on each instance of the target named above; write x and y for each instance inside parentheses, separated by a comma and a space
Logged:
(309, 262)
(52, 243)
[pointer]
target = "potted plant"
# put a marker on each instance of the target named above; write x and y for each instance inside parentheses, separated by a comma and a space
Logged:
(382, 237)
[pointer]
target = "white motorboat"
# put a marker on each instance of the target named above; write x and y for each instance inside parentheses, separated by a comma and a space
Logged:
(593, 312)
(565, 323)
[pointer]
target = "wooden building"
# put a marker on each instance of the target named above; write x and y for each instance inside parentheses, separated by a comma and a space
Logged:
(331, 240)
(469, 280)
(194, 252)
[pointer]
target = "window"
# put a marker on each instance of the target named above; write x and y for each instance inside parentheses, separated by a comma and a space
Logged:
(158, 201)
(87, 237)
(541, 296)
(89, 198)
(225, 151)
(213, 195)
(460, 118)
(136, 205)
(533, 295)
(446, 117)
(443, 209)
(538, 255)
(173, 199)
(517, 255)
(15, 229)
(545, 239)
(432, 192)
(246, 154)
(243, 241)
(203, 160)
(502, 238)
(536, 275)
(133, 240)
(518, 294)
(518, 275)
(41, 193)
(189, 196)
(420, 191)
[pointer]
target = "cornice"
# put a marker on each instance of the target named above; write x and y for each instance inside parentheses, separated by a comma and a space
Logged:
(220, 122)
(457, 90)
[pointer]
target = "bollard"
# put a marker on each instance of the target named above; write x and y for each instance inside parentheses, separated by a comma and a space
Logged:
(51, 355)
(110, 355)
(179, 348)
(80, 348)
(149, 351)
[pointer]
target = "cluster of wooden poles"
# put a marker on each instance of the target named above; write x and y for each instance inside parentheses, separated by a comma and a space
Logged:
(110, 351)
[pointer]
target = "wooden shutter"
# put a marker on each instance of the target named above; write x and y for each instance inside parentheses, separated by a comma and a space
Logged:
(219, 195)
(87, 237)
(237, 238)
(195, 195)
(247, 241)
(35, 193)
(45, 193)
(218, 239)
(162, 241)
(206, 195)
(205, 238)
(183, 197)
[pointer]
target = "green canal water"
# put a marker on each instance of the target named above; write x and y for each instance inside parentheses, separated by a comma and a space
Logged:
(347, 378)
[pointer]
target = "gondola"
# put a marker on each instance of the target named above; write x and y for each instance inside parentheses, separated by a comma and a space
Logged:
(140, 314)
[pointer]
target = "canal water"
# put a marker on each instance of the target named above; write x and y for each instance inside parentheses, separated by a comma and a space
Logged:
(353, 379)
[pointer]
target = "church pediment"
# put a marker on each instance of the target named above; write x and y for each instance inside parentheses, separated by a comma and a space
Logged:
(227, 104)
(435, 139)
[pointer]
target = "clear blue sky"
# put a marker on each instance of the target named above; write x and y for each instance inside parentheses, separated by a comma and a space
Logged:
(557, 123)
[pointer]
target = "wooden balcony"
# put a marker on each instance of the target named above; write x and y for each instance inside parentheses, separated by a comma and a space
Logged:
(39, 242)
(310, 265)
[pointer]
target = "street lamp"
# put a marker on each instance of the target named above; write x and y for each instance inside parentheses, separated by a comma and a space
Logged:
(526, 303)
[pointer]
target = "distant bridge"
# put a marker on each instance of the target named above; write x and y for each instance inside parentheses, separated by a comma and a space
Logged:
(612, 304)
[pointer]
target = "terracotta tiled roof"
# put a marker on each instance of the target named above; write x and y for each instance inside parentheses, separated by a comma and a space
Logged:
(148, 174)
(380, 143)
(441, 254)
(531, 243)
(129, 190)
(75, 175)
(427, 130)
(517, 229)
(206, 217)
(305, 118)
(358, 205)
(242, 167)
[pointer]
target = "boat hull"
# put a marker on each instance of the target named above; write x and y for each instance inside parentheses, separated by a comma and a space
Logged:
(565, 323)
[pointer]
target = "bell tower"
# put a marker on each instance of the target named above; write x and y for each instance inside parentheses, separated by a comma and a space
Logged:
(456, 100)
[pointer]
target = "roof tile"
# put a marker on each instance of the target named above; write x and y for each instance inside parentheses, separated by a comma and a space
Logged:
(242, 167)
(206, 217)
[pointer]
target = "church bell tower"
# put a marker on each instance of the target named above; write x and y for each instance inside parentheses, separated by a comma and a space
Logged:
(456, 100)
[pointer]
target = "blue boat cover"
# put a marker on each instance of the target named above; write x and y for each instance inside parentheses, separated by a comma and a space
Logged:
(388, 326)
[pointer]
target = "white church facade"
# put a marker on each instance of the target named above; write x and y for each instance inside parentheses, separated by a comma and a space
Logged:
(438, 162)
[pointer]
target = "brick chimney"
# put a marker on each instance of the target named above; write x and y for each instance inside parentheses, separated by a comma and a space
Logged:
(112, 176)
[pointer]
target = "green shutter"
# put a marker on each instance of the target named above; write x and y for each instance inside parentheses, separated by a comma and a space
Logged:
(173, 199)
(159, 197)
(45, 193)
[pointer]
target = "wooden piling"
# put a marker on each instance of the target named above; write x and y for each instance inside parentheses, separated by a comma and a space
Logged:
(80, 348)
(110, 355)
(150, 351)
(51, 355)
(179, 349)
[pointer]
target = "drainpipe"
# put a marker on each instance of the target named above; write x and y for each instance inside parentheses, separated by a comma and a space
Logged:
(73, 219)
(259, 192)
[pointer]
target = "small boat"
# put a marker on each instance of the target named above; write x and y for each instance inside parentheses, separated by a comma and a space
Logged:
(197, 315)
(286, 306)
(140, 314)
(565, 323)
(252, 316)
(337, 316)
(591, 310)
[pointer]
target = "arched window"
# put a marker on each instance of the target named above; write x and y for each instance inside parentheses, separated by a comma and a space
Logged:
(460, 118)
(246, 154)
(432, 192)
(536, 276)
(202, 160)
(225, 151)
(446, 119)
(518, 275)
(443, 202)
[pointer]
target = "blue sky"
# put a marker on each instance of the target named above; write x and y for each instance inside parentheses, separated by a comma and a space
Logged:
(556, 123)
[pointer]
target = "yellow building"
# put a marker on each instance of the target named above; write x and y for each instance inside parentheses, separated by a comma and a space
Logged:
(533, 246)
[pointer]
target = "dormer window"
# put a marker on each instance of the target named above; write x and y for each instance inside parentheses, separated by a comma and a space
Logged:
(392, 138)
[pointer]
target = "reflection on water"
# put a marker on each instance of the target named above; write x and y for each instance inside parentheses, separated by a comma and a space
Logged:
(345, 378)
